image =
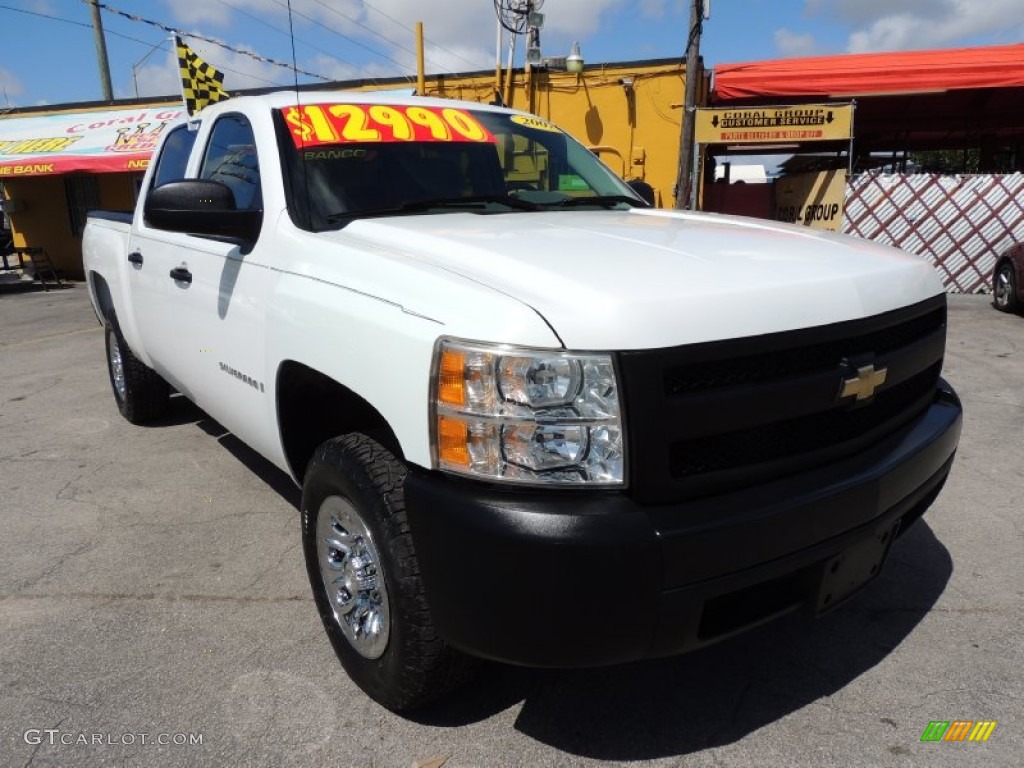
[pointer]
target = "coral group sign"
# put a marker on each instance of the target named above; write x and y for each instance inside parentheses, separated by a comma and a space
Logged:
(768, 125)
(102, 141)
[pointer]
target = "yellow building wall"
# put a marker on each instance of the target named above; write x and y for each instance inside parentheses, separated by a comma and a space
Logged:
(630, 114)
(117, 191)
(42, 220)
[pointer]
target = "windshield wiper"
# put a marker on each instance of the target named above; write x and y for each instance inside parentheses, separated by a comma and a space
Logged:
(475, 203)
(604, 201)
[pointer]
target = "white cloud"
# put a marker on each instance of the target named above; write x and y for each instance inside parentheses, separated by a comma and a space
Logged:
(241, 71)
(652, 9)
(576, 18)
(884, 25)
(339, 70)
(158, 77)
(792, 45)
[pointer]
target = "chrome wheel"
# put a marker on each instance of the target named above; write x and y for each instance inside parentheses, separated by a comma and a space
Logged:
(117, 368)
(353, 577)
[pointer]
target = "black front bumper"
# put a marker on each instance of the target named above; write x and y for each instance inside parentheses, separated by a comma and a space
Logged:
(575, 579)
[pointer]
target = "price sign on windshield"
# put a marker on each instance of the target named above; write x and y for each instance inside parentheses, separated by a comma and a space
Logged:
(311, 125)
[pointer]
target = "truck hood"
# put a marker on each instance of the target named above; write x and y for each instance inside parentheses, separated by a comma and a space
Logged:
(643, 279)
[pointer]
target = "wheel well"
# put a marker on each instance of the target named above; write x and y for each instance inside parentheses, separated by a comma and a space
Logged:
(103, 298)
(313, 408)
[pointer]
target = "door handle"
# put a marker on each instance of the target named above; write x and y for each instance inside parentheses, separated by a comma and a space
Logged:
(135, 258)
(182, 274)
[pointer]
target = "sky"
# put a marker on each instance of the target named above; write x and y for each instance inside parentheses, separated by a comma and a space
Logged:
(49, 57)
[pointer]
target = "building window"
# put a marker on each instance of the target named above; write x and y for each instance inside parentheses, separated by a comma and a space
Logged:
(83, 195)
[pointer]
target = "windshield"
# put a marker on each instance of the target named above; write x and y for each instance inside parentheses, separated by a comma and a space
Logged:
(350, 161)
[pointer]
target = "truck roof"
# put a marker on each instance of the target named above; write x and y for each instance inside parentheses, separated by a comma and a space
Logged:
(289, 97)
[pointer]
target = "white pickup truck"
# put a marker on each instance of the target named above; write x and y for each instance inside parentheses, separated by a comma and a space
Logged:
(534, 420)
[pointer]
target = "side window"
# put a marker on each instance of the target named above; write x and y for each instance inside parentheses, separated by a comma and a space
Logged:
(231, 159)
(170, 166)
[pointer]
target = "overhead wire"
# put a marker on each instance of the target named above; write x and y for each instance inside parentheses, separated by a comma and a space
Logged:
(207, 39)
(251, 54)
(115, 33)
(391, 41)
(74, 23)
(512, 14)
(315, 47)
(352, 40)
(360, 24)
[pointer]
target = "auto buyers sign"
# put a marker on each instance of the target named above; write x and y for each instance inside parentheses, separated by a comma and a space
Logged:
(102, 141)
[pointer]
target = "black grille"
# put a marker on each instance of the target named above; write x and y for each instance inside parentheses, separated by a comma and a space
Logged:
(807, 434)
(786, 363)
(710, 418)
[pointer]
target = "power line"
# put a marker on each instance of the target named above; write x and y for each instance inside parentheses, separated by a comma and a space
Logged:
(163, 45)
(74, 23)
(386, 39)
(125, 37)
(407, 28)
(363, 26)
(512, 14)
(213, 41)
(352, 40)
(289, 35)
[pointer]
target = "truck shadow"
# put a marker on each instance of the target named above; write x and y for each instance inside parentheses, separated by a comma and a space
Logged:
(720, 694)
(181, 411)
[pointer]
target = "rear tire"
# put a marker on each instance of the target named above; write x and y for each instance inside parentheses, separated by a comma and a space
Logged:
(365, 577)
(139, 391)
(1004, 289)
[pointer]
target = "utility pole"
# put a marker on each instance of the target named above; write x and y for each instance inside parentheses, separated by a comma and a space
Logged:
(101, 50)
(532, 51)
(689, 105)
(421, 75)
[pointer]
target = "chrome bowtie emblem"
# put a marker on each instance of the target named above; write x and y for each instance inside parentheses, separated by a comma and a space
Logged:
(864, 384)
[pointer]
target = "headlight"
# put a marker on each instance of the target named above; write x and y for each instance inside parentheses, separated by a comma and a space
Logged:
(529, 416)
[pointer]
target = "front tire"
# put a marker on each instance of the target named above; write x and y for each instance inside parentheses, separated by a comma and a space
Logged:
(1004, 289)
(365, 577)
(140, 392)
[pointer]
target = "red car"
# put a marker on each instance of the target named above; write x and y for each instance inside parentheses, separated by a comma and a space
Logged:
(1008, 280)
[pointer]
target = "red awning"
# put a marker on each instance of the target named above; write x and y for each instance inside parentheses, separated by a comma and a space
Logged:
(871, 74)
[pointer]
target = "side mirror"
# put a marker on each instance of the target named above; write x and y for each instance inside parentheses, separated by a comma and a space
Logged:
(201, 207)
(642, 188)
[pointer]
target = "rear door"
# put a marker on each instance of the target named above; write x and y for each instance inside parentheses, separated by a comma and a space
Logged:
(148, 285)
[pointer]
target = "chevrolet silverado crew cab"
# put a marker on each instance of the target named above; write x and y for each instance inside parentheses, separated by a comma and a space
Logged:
(533, 419)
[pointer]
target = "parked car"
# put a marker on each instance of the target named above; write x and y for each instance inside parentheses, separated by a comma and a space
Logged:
(1007, 285)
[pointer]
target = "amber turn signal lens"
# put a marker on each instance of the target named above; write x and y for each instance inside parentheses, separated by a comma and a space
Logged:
(452, 441)
(451, 378)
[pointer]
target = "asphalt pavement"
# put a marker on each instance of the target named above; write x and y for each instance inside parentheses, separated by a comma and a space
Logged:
(154, 607)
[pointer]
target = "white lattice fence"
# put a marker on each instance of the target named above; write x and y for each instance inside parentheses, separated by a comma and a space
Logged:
(959, 223)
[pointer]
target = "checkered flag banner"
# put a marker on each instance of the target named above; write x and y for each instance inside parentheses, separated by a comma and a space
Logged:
(201, 84)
